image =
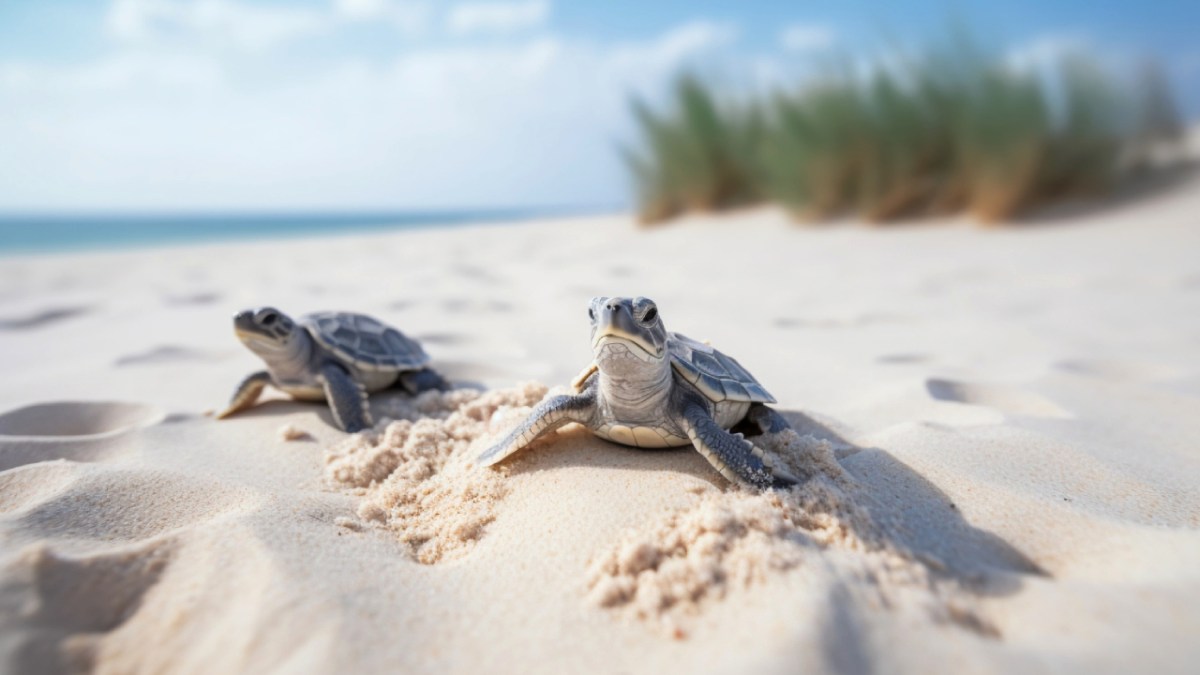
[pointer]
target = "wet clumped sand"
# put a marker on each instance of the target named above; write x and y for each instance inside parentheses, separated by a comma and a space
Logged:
(735, 538)
(416, 475)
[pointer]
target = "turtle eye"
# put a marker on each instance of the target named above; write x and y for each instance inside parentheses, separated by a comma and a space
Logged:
(650, 315)
(592, 313)
(268, 319)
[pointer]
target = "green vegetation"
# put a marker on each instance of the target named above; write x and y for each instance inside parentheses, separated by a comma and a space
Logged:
(700, 158)
(954, 130)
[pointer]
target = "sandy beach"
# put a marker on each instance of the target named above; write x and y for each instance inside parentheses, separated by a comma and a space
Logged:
(999, 425)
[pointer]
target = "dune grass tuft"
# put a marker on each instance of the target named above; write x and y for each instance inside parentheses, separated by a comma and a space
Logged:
(953, 130)
(698, 156)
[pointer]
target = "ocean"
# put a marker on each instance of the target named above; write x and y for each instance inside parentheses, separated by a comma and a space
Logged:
(47, 233)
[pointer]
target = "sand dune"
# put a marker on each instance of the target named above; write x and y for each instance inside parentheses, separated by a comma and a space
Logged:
(998, 427)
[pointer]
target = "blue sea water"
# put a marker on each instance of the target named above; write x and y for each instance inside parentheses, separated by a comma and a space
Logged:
(40, 233)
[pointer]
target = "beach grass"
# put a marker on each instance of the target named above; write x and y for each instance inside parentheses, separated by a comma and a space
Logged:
(697, 157)
(953, 129)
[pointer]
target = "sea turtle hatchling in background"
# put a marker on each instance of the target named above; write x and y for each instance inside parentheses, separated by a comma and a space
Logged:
(338, 357)
(652, 389)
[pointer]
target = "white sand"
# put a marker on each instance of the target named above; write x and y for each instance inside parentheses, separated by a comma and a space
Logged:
(1001, 428)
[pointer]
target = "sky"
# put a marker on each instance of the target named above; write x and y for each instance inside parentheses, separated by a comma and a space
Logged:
(390, 105)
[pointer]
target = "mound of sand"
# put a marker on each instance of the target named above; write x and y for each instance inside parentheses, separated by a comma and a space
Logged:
(733, 538)
(417, 475)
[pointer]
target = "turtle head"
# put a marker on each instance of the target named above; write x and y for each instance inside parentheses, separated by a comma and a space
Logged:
(624, 327)
(265, 330)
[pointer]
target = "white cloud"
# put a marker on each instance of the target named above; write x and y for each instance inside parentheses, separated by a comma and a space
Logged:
(1045, 51)
(409, 16)
(361, 9)
(460, 125)
(806, 37)
(123, 72)
(677, 45)
(245, 25)
(497, 17)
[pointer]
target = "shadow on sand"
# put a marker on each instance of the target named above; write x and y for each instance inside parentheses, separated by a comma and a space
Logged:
(909, 511)
(381, 404)
(279, 407)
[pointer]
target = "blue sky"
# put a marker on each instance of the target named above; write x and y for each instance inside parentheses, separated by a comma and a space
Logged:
(411, 104)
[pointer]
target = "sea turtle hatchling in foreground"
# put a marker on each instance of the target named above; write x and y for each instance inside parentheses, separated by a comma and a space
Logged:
(337, 357)
(652, 389)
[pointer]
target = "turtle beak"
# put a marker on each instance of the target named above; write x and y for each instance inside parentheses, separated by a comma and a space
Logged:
(614, 321)
(248, 330)
(243, 323)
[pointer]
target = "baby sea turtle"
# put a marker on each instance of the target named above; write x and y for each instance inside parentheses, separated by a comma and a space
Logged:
(652, 389)
(337, 357)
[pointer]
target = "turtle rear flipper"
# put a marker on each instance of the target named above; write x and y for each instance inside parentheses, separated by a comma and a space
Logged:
(737, 459)
(417, 381)
(766, 419)
(547, 416)
(347, 399)
(247, 392)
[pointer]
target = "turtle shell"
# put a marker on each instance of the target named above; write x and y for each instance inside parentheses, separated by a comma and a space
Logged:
(717, 376)
(366, 342)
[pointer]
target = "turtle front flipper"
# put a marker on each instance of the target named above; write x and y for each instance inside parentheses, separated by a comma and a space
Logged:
(547, 416)
(347, 398)
(732, 455)
(247, 393)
